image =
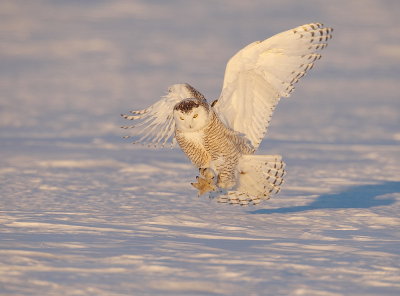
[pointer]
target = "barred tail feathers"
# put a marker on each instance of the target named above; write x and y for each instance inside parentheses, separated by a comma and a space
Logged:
(259, 177)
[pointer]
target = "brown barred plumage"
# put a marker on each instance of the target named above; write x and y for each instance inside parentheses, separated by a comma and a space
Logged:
(216, 146)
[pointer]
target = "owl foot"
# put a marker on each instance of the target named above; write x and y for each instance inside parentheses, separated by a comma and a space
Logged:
(205, 183)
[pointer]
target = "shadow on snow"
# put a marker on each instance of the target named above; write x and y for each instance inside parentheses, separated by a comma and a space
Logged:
(356, 197)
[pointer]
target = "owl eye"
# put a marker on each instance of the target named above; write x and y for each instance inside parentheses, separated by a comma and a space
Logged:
(181, 118)
(194, 116)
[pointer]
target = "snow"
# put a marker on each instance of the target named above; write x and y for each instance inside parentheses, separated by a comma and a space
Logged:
(83, 212)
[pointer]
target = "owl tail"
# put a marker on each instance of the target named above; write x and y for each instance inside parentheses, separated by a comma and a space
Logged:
(259, 177)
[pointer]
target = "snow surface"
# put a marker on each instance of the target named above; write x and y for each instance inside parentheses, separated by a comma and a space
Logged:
(83, 212)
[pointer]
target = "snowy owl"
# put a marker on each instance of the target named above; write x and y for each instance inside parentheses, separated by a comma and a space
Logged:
(220, 138)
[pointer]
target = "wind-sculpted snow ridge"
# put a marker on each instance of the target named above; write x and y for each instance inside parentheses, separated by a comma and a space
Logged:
(78, 222)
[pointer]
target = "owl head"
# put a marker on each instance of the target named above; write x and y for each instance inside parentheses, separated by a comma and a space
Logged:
(191, 114)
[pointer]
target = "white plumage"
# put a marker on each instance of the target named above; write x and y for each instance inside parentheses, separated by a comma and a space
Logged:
(220, 138)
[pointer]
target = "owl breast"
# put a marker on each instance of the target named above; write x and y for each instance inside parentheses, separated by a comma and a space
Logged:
(192, 144)
(196, 138)
(211, 143)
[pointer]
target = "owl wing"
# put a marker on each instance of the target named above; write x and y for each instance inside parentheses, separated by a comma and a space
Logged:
(264, 71)
(155, 125)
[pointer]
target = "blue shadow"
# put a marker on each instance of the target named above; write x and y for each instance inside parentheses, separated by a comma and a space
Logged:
(356, 197)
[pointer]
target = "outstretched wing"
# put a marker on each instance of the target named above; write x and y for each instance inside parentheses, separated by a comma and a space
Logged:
(155, 125)
(264, 71)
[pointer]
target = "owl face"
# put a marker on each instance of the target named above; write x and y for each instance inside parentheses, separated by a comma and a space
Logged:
(190, 116)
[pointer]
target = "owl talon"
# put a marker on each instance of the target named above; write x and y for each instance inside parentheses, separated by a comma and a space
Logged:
(204, 185)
